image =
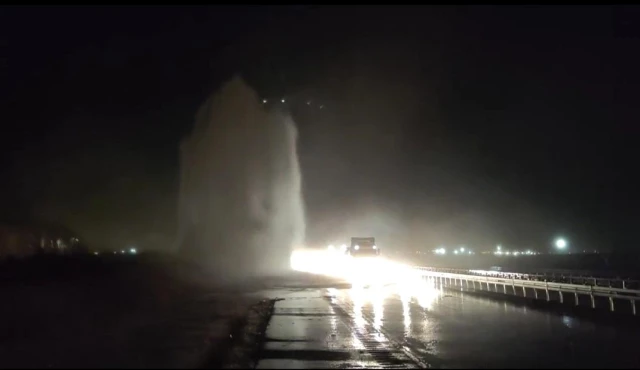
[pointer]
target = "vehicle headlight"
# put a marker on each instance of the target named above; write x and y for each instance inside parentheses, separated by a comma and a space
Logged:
(374, 247)
(356, 247)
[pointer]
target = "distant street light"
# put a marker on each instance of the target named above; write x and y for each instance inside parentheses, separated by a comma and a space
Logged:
(561, 243)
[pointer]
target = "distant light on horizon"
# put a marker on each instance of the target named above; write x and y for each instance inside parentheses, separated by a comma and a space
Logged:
(561, 243)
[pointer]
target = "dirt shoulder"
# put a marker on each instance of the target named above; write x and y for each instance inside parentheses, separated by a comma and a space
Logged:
(148, 312)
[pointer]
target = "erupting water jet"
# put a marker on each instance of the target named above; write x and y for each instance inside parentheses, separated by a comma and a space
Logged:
(240, 203)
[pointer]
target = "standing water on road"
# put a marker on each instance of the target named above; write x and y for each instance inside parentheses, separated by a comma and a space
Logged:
(240, 201)
(416, 324)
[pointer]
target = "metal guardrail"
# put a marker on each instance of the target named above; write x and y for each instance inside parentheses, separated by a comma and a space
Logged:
(564, 277)
(534, 286)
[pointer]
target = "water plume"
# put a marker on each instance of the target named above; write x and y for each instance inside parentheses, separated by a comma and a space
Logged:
(240, 203)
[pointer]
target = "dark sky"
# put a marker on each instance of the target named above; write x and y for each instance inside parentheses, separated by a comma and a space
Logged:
(471, 125)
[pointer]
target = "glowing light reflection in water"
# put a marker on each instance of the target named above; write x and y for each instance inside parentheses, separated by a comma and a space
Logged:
(358, 298)
(424, 291)
(406, 313)
(421, 292)
(334, 315)
(373, 280)
(378, 310)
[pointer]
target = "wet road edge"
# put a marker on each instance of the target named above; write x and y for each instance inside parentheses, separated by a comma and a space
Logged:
(244, 344)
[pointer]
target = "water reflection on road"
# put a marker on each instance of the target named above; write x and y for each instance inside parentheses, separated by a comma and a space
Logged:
(454, 329)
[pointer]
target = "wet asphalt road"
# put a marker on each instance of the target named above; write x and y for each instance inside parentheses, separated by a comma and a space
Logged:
(421, 326)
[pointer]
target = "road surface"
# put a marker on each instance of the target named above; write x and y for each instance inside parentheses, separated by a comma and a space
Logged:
(420, 326)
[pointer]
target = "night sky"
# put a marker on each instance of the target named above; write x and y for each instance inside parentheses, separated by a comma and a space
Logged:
(471, 125)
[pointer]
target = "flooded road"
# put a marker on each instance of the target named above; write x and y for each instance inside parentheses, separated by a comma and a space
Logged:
(417, 326)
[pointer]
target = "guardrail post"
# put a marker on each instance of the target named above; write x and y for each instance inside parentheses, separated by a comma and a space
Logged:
(546, 289)
(535, 292)
(504, 288)
(624, 286)
(561, 296)
(611, 304)
(576, 297)
(467, 283)
(513, 286)
(633, 306)
(593, 299)
(524, 291)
